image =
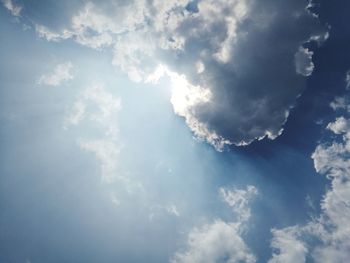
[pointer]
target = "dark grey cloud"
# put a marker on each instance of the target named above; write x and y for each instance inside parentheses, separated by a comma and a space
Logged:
(255, 65)
(242, 63)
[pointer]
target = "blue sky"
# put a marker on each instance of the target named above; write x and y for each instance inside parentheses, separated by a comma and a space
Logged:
(182, 132)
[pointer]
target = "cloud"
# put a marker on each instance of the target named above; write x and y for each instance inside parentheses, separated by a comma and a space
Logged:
(326, 238)
(303, 62)
(221, 241)
(157, 211)
(347, 79)
(239, 200)
(49, 35)
(77, 113)
(340, 126)
(252, 81)
(288, 247)
(14, 9)
(98, 25)
(106, 152)
(216, 242)
(340, 103)
(242, 63)
(96, 105)
(61, 73)
(93, 117)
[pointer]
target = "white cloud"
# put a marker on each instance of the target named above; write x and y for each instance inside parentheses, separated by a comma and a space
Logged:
(12, 7)
(216, 242)
(96, 27)
(287, 246)
(97, 105)
(340, 103)
(61, 73)
(77, 113)
(221, 241)
(327, 237)
(94, 117)
(340, 126)
(157, 211)
(49, 35)
(303, 62)
(347, 79)
(239, 200)
(104, 105)
(172, 209)
(333, 161)
(107, 152)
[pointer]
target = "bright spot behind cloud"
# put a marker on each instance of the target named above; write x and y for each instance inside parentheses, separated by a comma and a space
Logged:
(240, 71)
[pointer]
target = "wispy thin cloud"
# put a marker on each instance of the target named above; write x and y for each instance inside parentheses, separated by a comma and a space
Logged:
(61, 73)
(14, 8)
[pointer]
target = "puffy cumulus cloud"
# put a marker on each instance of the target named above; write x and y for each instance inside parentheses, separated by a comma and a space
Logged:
(248, 55)
(14, 9)
(61, 73)
(327, 237)
(340, 126)
(216, 242)
(221, 241)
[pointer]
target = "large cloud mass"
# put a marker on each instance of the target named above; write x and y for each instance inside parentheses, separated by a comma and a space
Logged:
(246, 57)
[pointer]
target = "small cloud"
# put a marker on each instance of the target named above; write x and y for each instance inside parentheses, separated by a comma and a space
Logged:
(50, 35)
(115, 200)
(105, 106)
(238, 200)
(77, 114)
(158, 211)
(172, 209)
(347, 79)
(340, 103)
(216, 242)
(287, 246)
(107, 153)
(339, 126)
(61, 73)
(14, 9)
(221, 241)
(98, 106)
(303, 62)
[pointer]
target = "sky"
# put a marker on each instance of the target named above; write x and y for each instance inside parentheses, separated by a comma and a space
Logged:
(180, 131)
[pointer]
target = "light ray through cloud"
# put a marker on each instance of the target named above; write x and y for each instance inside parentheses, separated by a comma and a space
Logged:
(177, 131)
